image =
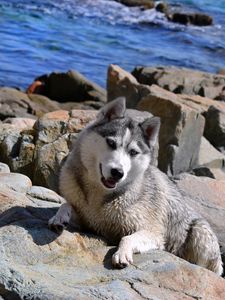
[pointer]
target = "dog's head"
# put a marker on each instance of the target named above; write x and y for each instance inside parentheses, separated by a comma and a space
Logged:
(116, 149)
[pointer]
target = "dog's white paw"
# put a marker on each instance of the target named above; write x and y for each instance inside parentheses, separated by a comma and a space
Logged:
(61, 219)
(122, 258)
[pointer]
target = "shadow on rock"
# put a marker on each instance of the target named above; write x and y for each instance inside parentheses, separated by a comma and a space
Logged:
(107, 262)
(32, 219)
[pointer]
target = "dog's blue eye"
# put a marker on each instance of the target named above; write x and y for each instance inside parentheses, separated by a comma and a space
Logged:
(111, 144)
(133, 152)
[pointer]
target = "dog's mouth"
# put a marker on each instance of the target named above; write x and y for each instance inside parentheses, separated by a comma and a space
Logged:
(109, 183)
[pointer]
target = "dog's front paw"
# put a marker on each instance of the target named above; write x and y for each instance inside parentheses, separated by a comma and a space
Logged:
(122, 258)
(57, 224)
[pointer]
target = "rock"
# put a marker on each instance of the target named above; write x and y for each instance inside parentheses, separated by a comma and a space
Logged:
(70, 86)
(122, 83)
(182, 80)
(209, 156)
(39, 152)
(196, 19)
(181, 130)
(147, 4)
(21, 123)
(85, 105)
(17, 148)
(162, 7)
(215, 126)
(37, 263)
(55, 133)
(4, 168)
(14, 103)
(45, 194)
(207, 196)
(17, 182)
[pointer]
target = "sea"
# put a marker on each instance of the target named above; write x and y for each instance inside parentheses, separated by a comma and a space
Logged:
(41, 36)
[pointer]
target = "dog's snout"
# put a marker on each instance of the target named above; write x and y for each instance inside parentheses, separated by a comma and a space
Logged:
(117, 173)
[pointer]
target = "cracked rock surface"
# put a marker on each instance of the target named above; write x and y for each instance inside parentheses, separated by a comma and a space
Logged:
(37, 263)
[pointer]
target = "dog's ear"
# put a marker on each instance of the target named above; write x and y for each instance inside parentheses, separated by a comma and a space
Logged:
(113, 110)
(151, 128)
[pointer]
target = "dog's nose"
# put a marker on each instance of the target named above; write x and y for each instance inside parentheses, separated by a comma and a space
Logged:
(117, 174)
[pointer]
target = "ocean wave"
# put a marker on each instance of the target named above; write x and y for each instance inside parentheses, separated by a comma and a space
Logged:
(106, 10)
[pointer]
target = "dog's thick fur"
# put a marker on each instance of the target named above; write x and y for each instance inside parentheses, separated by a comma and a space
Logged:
(113, 189)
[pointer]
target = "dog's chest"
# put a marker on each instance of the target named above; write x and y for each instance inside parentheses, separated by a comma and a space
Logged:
(114, 219)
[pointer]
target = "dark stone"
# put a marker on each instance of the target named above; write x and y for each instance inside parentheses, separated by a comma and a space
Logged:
(202, 171)
(70, 86)
(194, 19)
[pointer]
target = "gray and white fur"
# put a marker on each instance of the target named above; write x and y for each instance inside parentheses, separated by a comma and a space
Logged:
(112, 188)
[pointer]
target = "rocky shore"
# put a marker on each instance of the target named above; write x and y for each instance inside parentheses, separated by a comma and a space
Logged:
(37, 129)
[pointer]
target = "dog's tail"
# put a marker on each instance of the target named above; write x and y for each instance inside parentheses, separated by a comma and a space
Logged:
(202, 248)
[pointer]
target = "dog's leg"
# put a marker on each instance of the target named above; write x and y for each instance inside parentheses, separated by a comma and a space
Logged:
(202, 247)
(138, 242)
(62, 218)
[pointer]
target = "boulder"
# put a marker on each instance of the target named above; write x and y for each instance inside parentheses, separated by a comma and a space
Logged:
(122, 83)
(55, 134)
(207, 196)
(182, 80)
(69, 86)
(14, 103)
(37, 263)
(17, 148)
(40, 151)
(181, 130)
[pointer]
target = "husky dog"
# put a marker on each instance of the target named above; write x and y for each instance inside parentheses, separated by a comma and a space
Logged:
(112, 188)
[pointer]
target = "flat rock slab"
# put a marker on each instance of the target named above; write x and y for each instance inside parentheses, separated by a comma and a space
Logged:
(37, 263)
(43, 193)
(17, 182)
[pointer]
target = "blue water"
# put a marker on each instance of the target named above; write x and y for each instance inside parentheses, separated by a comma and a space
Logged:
(38, 37)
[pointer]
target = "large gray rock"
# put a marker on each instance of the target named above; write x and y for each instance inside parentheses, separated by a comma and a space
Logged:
(37, 263)
(55, 133)
(39, 152)
(14, 103)
(182, 80)
(181, 130)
